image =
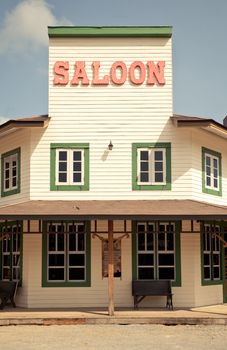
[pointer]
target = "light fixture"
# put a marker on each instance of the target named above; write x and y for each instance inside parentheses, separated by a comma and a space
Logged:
(110, 146)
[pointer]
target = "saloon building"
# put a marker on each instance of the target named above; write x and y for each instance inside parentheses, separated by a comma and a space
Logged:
(111, 186)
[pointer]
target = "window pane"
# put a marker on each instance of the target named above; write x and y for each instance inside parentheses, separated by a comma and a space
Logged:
(76, 260)
(56, 274)
(72, 242)
(166, 259)
(207, 160)
(170, 241)
(81, 242)
(14, 182)
(166, 273)
(76, 177)
(144, 177)
(140, 228)
(145, 273)
(77, 155)
(77, 166)
(215, 183)
(150, 241)
(215, 163)
(216, 273)
(146, 259)
(158, 155)
(62, 177)
(63, 155)
(141, 241)
(208, 171)
(158, 177)
(161, 241)
(144, 155)
(158, 166)
(208, 181)
(144, 166)
(61, 242)
(206, 259)
(206, 272)
(52, 242)
(56, 260)
(62, 166)
(76, 274)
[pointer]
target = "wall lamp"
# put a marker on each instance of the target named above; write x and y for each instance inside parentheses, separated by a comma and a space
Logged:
(110, 146)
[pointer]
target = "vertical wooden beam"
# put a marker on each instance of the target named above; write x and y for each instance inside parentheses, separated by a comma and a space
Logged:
(110, 268)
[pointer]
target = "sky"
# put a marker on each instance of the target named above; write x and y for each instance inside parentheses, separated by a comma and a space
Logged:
(199, 48)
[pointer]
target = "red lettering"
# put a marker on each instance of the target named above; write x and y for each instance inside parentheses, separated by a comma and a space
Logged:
(61, 73)
(137, 65)
(118, 65)
(156, 73)
(96, 80)
(80, 74)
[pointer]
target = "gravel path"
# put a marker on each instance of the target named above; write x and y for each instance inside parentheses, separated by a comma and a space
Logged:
(113, 337)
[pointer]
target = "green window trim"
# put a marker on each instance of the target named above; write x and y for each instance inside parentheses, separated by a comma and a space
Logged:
(11, 224)
(177, 282)
(213, 192)
(87, 282)
(121, 31)
(151, 187)
(17, 152)
(211, 282)
(73, 146)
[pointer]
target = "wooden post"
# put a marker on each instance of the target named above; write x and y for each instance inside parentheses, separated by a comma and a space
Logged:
(110, 268)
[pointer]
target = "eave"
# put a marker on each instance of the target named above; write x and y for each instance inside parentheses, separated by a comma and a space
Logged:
(209, 125)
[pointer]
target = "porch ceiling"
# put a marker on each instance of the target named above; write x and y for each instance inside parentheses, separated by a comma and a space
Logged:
(114, 209)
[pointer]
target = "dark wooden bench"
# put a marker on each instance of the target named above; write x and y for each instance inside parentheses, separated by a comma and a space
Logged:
(7, 292)
(143, 288)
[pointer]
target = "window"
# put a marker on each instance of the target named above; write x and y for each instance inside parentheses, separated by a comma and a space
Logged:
(69, 167)
(11, 172)
(66, 249)
(10, 251)
(151, 166)
(211, 172)
(211, 254)
(156, 251)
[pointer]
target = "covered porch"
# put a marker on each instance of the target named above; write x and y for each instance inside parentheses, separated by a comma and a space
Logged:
(111, 214)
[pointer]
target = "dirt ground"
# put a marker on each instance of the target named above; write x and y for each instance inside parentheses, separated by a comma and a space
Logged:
(111, 337)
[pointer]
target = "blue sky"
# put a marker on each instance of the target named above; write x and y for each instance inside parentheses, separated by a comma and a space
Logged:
(199, 48)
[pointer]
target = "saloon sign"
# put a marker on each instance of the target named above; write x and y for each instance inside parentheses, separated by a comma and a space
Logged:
(137, 73)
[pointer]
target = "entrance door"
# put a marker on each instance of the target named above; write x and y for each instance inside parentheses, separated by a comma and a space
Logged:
(225, 268)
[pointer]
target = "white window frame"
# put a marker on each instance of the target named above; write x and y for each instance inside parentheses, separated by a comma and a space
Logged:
(66, 252)
(151, 166)
(69, 171)
(212, 178)
(10, 159)
(213, 243)
(156, 251)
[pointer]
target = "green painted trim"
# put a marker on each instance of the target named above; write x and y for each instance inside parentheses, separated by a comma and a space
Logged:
(12, 223)
(154, 31)
(17, 190)
(86, 283)
(85, 186)
(207, 190)
(210, 282)
(167, 186)
(177, 282)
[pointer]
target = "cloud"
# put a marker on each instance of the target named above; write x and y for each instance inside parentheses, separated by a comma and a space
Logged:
(25, 27)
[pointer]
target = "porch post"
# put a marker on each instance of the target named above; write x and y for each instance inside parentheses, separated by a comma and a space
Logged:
(110, 268)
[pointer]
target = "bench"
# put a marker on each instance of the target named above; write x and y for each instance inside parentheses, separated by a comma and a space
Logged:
(7, 292)
(143, 288)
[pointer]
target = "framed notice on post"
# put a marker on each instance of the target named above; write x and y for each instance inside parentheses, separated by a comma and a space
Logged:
(117, 258)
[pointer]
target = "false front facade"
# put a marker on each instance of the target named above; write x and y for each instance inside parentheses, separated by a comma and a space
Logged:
(110, 186)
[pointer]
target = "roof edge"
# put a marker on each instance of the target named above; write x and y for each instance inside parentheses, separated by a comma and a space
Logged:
(109, 31)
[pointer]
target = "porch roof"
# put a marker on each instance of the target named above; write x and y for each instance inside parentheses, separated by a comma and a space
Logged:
(113, 209)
